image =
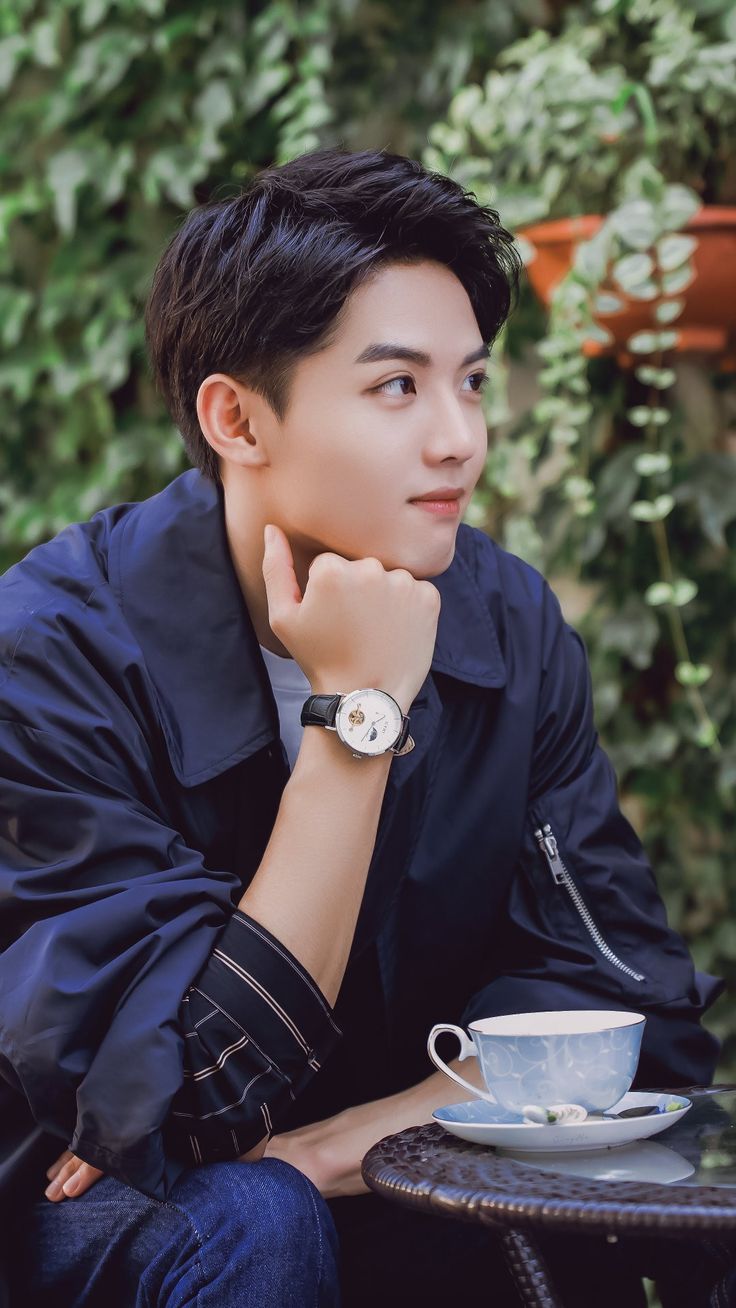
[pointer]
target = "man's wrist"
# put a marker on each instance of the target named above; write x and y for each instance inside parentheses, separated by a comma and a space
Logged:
(321, 746)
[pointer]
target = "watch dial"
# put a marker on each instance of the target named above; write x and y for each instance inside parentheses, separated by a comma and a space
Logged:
(368, 721)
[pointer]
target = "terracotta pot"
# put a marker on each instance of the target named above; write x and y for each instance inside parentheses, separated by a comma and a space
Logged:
(707, 324)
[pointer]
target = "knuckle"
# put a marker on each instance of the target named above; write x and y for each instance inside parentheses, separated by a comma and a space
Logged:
(371, 567)
(325, 565)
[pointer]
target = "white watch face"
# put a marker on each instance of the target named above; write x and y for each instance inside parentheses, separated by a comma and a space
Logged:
(369, 721)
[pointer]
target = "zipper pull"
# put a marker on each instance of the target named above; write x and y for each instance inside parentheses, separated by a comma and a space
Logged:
(548, 846)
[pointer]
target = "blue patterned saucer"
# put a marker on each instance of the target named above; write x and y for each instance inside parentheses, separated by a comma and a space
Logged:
(487, 1124)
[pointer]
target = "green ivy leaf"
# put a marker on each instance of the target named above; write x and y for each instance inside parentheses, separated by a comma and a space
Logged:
(673, 283)
(660, 592)
(550, 407)
(65, 173)
(606, 302)
(577, 488)
(591, 258)
(15, 306)
(12, 50)
(706, 735)
(662, 378)
(668, 310)
(600, 334)
(693, 674)
(636, 222)
(648, 342)
(639, 415)
(667, 340)
(678, 206)
(652, 510)
(643, 414)
(632, 270)
(650, 465)
(673, 251)
(642, 343)
(644, 291)
(564, 436)
(683, 590)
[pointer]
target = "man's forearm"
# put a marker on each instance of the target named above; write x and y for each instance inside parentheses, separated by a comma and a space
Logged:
(415, 1105)
(310, 883)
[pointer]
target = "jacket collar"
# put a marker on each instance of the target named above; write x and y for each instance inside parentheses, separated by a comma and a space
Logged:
(171, 568)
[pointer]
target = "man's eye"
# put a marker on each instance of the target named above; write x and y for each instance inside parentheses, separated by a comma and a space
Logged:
(393, 382)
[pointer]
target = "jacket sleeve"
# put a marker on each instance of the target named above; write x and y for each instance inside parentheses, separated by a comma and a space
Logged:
(585, 926)
(256, 1029)
(135, 1004)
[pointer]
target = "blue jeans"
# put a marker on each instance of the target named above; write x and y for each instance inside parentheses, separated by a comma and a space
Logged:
(231, 1235)
(260, 1234)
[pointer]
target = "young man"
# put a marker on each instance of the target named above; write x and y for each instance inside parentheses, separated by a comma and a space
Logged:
(228, 927)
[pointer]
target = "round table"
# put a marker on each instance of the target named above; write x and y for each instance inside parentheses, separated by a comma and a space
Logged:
(426, 1168)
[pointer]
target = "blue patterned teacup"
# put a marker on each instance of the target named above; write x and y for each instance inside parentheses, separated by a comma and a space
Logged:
(585, 1057)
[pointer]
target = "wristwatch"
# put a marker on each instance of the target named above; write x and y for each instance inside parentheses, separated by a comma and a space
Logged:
(369, 722)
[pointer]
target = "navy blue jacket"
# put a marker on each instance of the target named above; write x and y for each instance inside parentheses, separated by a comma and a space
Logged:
(140, 776)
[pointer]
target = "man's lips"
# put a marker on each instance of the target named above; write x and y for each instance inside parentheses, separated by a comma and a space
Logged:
(442, 493)
(447, 506)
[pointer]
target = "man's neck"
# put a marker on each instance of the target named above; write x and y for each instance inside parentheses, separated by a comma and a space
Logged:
(244, 524)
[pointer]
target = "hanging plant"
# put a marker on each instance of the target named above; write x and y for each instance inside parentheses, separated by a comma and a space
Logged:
(606, 146)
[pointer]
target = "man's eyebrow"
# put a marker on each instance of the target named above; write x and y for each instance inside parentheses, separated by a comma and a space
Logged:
(390, 350)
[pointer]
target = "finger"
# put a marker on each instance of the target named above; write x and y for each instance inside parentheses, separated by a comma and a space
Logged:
(82, 1180)
(72, 1179)
(55, 1190)
(282, 587)
(56, 1167)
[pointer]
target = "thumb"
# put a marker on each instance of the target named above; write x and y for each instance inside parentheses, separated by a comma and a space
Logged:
(282, 587)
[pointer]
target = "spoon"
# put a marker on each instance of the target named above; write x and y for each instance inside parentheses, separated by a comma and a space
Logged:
(558, 1114)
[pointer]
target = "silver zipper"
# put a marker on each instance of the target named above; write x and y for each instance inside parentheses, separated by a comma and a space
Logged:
(561, 877)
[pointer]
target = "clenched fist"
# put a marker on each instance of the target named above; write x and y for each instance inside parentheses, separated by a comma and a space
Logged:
(356, 625)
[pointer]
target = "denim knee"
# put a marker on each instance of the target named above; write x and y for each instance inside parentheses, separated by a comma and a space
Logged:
(262, 1227)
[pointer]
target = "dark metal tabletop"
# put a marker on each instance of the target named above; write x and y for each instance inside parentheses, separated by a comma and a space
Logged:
(427, 1168)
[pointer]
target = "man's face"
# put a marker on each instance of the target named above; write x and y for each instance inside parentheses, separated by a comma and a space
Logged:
(361, 440)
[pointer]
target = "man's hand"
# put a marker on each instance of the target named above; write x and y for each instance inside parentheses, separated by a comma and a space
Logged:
(330, 1152)
(357, 623)
(70, 1177)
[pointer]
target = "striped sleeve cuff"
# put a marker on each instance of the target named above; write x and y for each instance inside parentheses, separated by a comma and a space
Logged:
(256, 1028)
(255, 978)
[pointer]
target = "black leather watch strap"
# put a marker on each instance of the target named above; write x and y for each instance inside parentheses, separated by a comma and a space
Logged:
(398, 747)
(320, 710)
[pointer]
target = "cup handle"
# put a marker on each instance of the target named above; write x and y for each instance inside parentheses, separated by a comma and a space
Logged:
(467, 1050)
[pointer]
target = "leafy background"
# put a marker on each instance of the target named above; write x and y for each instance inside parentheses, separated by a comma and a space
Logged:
(119, 115)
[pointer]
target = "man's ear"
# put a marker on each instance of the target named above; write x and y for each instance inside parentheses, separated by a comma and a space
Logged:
(229, 415)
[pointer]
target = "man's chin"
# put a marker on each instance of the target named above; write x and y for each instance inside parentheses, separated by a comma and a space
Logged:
(426, 569)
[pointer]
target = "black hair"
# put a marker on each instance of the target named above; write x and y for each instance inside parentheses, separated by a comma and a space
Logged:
(250, 285)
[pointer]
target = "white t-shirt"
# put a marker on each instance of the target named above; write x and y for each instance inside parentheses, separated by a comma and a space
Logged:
(290, 688)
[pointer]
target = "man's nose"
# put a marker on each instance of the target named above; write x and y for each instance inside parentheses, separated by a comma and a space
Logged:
(455, 433)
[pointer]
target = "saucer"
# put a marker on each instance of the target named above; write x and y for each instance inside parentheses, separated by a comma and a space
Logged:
(488, 1124)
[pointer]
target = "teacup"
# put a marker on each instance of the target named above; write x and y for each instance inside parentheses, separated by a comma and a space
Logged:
(587, 1057)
